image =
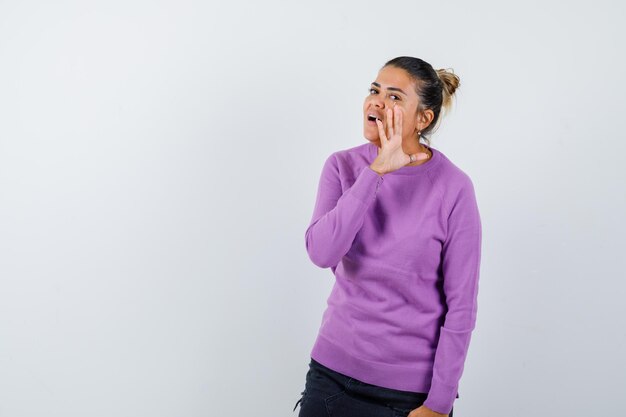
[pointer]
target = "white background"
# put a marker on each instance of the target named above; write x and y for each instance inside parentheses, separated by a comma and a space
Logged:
(158, 169)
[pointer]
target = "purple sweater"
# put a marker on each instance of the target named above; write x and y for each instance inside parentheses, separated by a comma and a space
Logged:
(405, 251)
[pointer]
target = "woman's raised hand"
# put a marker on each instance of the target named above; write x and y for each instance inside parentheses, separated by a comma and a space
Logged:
(391, 156)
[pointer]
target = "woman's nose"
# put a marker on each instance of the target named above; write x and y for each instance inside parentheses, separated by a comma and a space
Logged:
(380, 102)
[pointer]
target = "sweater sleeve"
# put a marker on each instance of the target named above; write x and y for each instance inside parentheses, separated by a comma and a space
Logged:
(461, 254)
(338, 215)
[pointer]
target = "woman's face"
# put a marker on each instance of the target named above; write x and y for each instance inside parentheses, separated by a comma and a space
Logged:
(393, 85)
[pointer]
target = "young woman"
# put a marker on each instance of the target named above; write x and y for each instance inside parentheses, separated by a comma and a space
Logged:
(398, 224)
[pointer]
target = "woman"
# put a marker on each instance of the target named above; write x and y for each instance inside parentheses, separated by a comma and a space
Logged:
(398, 224)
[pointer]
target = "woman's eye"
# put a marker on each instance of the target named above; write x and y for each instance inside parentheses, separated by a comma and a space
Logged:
(393, 96)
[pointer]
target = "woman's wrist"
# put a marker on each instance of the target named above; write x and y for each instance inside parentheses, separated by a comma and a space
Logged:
(378, 169)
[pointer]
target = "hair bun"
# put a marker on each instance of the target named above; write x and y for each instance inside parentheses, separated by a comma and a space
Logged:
(450, 83)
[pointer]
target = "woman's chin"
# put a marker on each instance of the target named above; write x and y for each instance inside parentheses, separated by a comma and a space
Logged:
(371, 138)
(370, 133)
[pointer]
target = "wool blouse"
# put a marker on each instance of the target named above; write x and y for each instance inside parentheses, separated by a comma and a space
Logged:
(404, 249)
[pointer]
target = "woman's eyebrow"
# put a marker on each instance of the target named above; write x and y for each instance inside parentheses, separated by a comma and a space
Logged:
(390, 88)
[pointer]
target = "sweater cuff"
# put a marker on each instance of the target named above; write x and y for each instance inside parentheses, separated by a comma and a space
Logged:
(441, 397)
(366, 185)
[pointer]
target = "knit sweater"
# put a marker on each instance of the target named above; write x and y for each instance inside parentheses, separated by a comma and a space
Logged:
(404, 248)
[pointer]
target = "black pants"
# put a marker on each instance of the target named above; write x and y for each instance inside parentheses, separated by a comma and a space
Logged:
(328, 393)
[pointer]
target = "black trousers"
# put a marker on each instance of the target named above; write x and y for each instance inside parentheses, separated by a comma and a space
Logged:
(328, 393)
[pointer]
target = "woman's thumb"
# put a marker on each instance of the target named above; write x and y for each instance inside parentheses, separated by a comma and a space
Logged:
(420, 156)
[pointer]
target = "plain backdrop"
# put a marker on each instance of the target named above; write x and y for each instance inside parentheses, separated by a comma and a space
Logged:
(159, 162)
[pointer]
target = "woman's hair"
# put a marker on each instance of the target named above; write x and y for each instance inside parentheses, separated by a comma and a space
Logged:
(434, 88)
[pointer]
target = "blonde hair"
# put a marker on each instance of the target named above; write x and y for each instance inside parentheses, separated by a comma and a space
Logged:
(450, 83)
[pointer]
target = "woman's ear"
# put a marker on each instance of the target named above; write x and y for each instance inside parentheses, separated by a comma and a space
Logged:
(424, 119)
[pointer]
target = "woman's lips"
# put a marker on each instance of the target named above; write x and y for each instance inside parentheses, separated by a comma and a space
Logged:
(370, 122)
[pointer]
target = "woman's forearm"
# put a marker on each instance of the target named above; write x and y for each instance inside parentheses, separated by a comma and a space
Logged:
(338, 215)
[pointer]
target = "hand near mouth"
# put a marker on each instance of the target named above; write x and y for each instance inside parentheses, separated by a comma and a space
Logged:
(391, 156)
